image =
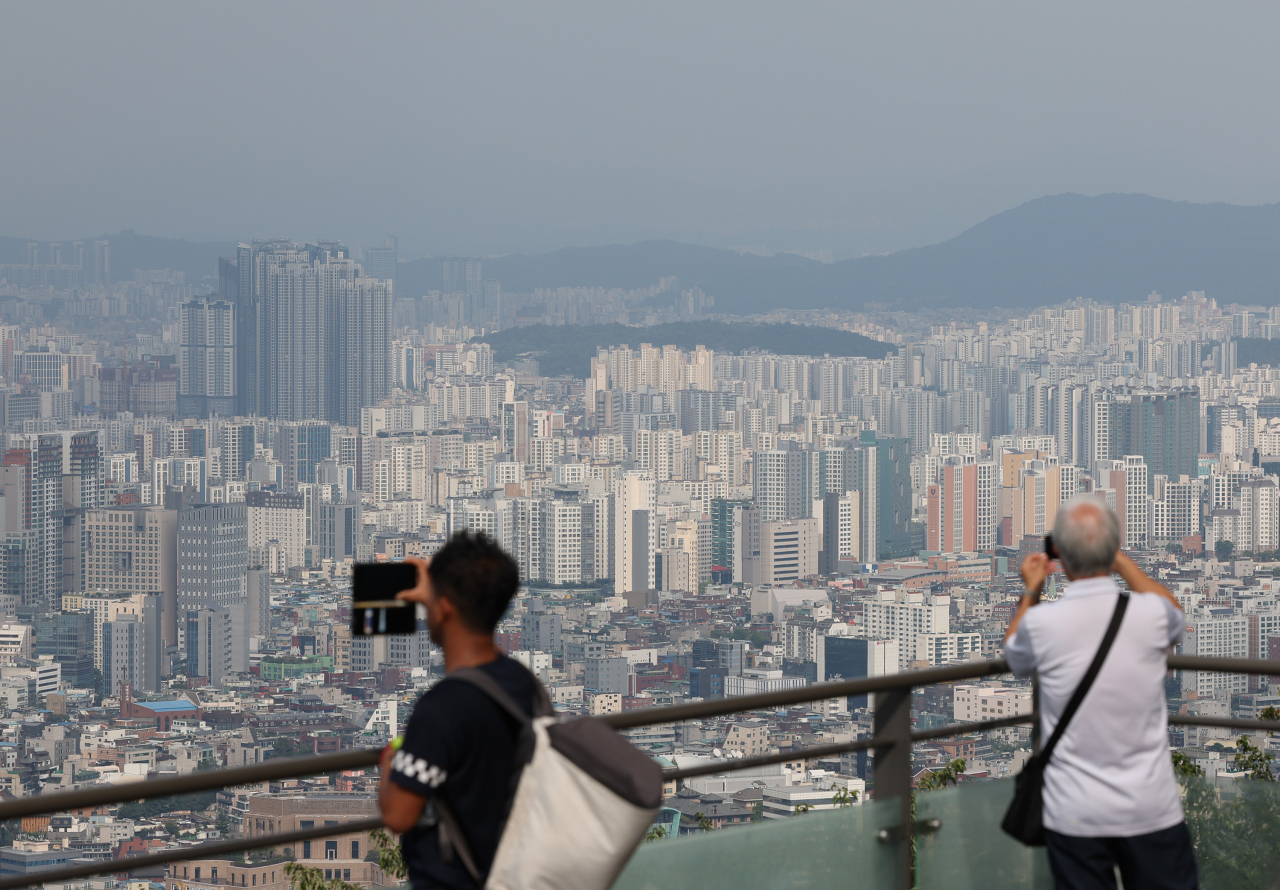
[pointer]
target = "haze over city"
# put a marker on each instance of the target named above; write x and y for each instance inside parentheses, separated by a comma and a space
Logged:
(791, 393)
(480, 129)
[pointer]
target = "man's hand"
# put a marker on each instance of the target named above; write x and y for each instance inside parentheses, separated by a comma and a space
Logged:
(419, 593)
(1138, 580)
(1035, 569)
(400, 808)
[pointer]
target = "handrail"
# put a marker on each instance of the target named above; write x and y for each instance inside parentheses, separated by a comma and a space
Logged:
(812, 751)
(800, 695)
(219, 848)
(293, 767)
(1213, 664)
(201, 780)
(926, 677)
(181, 854)
(1226, 722)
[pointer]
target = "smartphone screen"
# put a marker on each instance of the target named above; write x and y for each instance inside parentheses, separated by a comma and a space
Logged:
(374, 608)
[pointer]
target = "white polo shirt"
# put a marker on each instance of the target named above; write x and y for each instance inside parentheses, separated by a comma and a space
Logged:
(1111, 774)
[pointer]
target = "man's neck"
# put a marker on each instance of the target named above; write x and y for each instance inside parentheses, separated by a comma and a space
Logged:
(468, 650)
(1087, 577)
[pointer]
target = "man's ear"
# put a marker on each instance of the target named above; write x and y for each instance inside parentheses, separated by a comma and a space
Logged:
(443, 607)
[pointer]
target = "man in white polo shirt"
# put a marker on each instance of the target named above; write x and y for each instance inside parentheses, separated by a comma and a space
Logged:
(1110, 796)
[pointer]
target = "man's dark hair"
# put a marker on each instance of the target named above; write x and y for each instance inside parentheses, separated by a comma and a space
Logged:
(477, 576)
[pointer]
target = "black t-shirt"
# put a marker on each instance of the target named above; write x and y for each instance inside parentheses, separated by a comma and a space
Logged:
(460, 742)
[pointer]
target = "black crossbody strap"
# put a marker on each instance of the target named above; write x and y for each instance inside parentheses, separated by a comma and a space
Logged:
(1122, 603)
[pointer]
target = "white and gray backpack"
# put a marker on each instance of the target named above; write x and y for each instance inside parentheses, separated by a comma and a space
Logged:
(582, 799)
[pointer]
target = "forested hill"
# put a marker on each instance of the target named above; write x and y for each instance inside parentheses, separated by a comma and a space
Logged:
(567, 349)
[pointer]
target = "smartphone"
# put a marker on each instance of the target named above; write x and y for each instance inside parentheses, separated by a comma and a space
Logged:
(1050, 550)
(375, 611)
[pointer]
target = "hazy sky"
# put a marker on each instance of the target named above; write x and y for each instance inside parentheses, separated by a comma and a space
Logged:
(485, 128)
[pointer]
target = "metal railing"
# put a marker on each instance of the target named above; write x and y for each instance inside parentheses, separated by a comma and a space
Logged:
(891, 740)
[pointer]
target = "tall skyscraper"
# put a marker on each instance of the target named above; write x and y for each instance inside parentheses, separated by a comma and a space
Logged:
(360, 369)
(134, 550)
(33, 473)
(635, 532)
(299, 447)
(207, 359)
(213, 555)
(381, 262)
(313, 336)
(216, 642)
(963, 507)
(783, 483)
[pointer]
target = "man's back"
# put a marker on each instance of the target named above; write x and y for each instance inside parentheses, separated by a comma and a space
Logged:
(1111, 774)
(459, 742)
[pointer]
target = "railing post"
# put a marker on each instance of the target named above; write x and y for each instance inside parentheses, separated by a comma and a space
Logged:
(893, 769)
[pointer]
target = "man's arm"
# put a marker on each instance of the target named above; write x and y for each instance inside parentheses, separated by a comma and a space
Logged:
(400, 808)
(1138, 580)
(1035, 569)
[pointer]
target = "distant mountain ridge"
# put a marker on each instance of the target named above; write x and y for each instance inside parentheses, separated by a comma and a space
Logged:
(1111, 248)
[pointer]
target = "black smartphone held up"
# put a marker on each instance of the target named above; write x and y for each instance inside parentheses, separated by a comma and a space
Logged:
(374, 608)
(1050, 550)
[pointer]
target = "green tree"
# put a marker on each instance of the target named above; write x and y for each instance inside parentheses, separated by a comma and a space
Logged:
(801, 809)
(655, 833)
(304, 877)
(1254, 761)
(843, 797)
(941, 778)
(1222, 549)
(704, 822)
(757, 811)
(1184, 767)
(287, 747)
(390, 856)
(1234, 839)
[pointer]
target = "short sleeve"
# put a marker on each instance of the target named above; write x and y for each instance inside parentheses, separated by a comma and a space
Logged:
(1019, 651)
(1177, 621)
(423, 762)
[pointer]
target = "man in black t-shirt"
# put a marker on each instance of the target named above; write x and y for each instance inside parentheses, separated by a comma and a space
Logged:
(458, 744)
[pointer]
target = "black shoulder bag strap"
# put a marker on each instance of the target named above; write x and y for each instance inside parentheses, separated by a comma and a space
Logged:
(452, 838)
(1024, 820)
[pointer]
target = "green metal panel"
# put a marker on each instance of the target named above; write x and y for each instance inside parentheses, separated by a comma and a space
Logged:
(834, 849)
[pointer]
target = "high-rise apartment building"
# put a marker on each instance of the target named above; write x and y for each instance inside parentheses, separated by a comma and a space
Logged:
(277, 529)
(133, 550)
(313, 335)
(216, 642)
(1161, 426)
(963, 507)
(213, 555)
(299, 447)
(381, 261)
(784, 483)
(207, 359)
(635, 532)
(32, 474)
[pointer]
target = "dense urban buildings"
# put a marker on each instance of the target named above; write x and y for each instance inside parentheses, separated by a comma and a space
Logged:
(181, 513)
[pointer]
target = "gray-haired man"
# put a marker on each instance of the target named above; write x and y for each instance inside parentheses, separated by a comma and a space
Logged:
(1110, 796)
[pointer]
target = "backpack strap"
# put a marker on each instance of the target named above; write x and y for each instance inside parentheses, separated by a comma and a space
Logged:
(481, 680)
(452, 839)
(1122, 603)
